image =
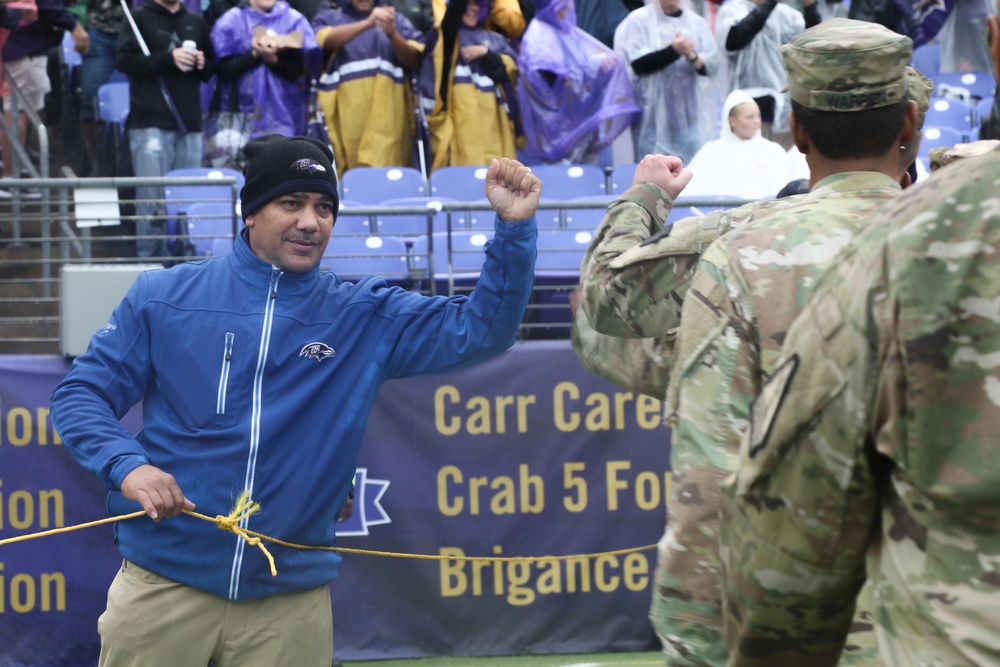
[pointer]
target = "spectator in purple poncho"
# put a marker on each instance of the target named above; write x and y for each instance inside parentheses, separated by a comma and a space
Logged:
(267, 55)
(575, 93)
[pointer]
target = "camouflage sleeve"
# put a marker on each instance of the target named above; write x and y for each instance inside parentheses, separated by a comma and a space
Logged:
(636, 272)
(798, 515)
(637, 364)
(714, 380)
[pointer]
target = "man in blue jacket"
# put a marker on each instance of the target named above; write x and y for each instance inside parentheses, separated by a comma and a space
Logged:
(257, 374)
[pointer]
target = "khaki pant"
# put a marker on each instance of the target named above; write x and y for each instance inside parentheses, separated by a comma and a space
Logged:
(152, 621)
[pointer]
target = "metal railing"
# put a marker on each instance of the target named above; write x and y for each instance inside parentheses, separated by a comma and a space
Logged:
(20, 160)
(49, 235)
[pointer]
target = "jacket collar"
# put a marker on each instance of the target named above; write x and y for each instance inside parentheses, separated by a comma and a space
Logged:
(255, 271)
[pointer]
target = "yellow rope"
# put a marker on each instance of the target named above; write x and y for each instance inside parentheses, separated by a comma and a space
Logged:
(245, 508)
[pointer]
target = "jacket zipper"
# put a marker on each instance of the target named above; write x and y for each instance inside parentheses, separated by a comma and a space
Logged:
(227, 356)
(258, 381)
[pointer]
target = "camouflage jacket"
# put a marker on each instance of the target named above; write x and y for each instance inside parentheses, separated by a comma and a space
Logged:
(878, 435)
(749, 287)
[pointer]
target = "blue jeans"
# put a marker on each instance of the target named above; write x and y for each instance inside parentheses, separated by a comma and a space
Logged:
(95, 70)
(154, 153)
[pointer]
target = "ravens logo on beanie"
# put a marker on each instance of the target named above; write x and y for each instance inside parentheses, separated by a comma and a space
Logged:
(279, 165)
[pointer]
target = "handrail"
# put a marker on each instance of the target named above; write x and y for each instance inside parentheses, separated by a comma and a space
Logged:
(21, 156)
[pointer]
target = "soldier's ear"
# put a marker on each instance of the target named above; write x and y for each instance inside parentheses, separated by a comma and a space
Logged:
(799, 135)
(911, 123)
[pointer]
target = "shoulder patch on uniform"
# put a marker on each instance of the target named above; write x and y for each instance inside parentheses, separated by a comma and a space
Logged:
(662, 234)
(828, 317)
(766, 405)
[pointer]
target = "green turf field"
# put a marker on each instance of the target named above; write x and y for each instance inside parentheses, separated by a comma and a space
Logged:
(650, 659)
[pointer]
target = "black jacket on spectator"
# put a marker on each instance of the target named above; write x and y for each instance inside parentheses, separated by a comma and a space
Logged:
(163, 32)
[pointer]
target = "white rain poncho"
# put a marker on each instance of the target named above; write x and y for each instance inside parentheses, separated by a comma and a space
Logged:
(963, 38)
(750, 169)
(678, 105)
(758, 68)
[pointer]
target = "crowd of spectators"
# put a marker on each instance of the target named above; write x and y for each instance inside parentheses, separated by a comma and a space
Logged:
(429, 83)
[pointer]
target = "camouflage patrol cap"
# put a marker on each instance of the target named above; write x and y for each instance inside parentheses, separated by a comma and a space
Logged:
(919, 89)
(846, 65)
(942, 156)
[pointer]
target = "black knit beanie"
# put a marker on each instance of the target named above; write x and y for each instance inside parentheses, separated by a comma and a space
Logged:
(279, 165)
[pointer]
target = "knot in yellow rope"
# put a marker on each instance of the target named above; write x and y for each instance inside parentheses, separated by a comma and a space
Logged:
(244, 509)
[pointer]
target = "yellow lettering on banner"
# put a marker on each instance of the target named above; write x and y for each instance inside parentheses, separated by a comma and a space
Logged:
(605, 582)
(446, 505)
(565, 421)
(576, 500)
(450, 426)
(521, 582)
(648, 412)
(648, 491)
(503, 494)
(19, 427)
(635, 572)
(479, 415)
(18, 509)
(24, 593)
(603, 412)
(453, 579)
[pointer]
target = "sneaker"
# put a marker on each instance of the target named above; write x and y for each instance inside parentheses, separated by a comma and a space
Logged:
(26, 194)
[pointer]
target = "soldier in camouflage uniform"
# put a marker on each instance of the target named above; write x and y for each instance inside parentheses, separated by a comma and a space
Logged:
(878, 435)
(643, 364)
(748, 287)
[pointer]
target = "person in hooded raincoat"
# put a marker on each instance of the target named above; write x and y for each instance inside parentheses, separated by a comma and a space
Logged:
(673, 56)
(468, 89)
(752, 33)
(740, 163)
(267, 54)
(374, 52)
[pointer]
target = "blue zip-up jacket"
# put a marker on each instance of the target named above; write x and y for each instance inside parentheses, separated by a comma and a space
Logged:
(257, 379)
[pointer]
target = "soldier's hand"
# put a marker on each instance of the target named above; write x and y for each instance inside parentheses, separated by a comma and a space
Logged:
(512, 189)
(157, 492)
(667, 171)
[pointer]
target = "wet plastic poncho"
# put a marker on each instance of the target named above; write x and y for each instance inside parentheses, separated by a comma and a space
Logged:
(678, 105)
(575, 93)
(365, 94)
(758, 68)
(750, 169)
(277, 104)
(963, 38)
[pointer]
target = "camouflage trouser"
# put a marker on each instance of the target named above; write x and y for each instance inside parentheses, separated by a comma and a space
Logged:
(686, 610)
(860, 647)
(688, 637)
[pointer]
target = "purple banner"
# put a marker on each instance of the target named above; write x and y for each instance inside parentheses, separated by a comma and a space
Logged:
(524, 455)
